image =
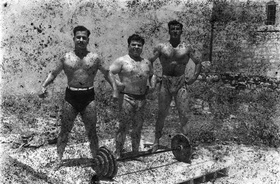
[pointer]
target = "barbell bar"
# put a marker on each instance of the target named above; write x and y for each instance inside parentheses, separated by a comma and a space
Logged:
(180, 147)
(106, 165)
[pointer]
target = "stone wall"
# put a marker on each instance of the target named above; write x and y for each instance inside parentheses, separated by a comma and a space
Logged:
(243, 43)
(266, 48)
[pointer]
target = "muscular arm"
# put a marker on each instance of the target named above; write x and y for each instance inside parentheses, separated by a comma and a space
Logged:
(152, 77)
(108, 77)
(197, 67)
(53, 74)
(115, 68)
(156, 54)
(50, 78)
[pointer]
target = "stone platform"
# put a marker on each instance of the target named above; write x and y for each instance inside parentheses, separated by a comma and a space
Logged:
(158, 168)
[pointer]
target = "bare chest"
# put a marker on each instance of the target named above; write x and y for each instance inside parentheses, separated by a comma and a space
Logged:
(136, 69)
(179, 53)
(73, 63)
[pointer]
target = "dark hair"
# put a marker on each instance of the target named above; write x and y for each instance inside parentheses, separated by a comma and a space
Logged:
(81, 28)
(135, 37)
(174, 22)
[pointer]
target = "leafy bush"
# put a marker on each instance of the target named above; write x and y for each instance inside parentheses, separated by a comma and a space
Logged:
(250, 115)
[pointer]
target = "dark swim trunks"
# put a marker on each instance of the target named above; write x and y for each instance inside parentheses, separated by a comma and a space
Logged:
(136, 97)
(173, 84)
(137, 102)
(79, 99)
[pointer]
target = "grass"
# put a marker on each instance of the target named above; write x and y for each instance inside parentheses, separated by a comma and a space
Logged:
(243, 116)
(251, 118)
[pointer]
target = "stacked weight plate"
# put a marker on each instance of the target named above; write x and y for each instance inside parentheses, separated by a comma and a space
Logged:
(105, 165)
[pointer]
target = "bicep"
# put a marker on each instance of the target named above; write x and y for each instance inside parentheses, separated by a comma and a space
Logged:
(101, 66)
(115, 67)
(151, 69)
(58, 67)
(155, 55)
(192, 56)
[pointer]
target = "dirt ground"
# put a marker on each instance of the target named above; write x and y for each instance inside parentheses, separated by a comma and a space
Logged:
(252, 164)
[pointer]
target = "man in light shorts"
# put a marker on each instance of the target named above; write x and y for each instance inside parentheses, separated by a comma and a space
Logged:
(174, 55)
(135, 78)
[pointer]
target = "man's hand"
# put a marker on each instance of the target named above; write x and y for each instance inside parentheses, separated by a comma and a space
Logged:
(43, 93)
(151, 90)
(115, 96)
(120, 85)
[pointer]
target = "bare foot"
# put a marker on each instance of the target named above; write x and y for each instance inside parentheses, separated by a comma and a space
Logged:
(117, 155)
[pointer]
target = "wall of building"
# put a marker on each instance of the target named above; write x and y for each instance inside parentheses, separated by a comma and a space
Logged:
(245, 43)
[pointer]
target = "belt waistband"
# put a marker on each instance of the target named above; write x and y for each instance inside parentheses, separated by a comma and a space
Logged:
(80, 89)
(134, 96)
(169, 76)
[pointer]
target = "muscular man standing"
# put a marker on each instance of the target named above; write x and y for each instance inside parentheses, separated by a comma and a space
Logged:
(174, 56)
(80, 67)
(135, 74)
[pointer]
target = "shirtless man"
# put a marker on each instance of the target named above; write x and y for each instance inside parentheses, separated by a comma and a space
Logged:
(174, 56)
(135, 75)
(80, 67)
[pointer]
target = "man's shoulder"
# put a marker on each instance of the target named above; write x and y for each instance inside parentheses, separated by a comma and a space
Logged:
(186, 44)
(146, 60)
(158, 47)
(66, 54)
(162, 44)
(123, 58)
(94, 55)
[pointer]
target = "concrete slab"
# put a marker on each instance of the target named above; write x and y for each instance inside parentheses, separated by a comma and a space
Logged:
(159, 168)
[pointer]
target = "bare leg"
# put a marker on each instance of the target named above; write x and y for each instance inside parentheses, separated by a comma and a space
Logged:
(164, 100)
(89, 118)
(182, 102)
(137, 127)
(125, 116)
(67, 121)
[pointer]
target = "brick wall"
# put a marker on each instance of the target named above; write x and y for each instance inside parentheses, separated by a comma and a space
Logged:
(248, 46)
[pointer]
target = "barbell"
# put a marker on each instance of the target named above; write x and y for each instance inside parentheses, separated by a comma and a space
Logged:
(105, 164)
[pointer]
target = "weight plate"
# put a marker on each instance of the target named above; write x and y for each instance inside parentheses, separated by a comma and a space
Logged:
(115, 165)
(112, 163)
(181, 148)
(106, 163)
(98, 165)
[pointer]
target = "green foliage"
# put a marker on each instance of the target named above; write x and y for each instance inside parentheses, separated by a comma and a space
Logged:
(259, 119)
(236, 23)
(145, 6)
(248, 116)
(225, 11)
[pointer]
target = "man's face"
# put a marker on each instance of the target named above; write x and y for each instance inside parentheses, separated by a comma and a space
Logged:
(81, 39)
(135, 48)
(175, 31)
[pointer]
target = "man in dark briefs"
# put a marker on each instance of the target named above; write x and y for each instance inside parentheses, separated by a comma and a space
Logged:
(80, 67)
(174, 55)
